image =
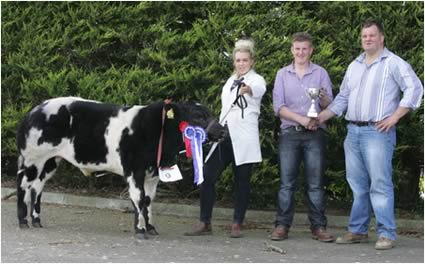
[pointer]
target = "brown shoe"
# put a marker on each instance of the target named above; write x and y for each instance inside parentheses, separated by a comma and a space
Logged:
(280, 233)
(351, 238)
(236, 231)
(384, 243)
(322, 235)
(200, 229)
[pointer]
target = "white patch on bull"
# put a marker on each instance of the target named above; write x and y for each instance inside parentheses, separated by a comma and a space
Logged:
(71, 119)
(27, 196)
(52, 106)
(20, 162)
(37, 155)
(25, 185)
(37, 186)
(35, 109)
(150, 185)
(134, 192)
(20, 171)
(34, 214)
(142, 224)
(117, 125)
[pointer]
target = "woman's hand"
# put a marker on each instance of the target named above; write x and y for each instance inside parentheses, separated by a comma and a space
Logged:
(245, 89)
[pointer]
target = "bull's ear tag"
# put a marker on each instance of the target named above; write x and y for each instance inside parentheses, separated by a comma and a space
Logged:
(170, 114)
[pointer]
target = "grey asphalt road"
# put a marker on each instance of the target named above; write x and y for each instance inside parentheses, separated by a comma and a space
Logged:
(83, 234)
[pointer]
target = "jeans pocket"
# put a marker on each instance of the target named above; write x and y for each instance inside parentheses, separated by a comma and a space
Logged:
(283, 132)
(389, 136)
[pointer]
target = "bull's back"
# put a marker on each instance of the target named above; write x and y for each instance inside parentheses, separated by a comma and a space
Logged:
(85, 133)
(48, 123)
(59, 122)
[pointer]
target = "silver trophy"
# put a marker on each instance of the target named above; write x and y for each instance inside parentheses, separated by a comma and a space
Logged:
(313, 93)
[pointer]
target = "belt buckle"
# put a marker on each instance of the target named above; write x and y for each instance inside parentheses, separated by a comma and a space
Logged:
(298, 128)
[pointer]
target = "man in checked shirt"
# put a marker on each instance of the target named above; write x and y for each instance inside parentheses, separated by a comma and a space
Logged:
(370, 94)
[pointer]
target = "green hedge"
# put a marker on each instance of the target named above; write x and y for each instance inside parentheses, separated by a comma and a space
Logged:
(140, 52)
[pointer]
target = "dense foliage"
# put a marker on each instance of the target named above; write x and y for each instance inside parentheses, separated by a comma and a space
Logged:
(140, 52)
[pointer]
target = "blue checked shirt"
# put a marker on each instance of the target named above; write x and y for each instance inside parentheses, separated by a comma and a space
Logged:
(373, 92)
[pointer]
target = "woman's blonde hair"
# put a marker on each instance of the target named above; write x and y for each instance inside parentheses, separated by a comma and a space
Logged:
(244, 45)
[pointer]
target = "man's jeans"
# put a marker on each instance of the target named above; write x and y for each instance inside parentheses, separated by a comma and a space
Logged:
(309, 147)
(368, 156)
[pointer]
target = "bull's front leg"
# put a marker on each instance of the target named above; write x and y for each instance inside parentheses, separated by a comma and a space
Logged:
(151, 182)
(140, 201)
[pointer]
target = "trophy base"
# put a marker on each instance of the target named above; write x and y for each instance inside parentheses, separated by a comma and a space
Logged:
(312, 114)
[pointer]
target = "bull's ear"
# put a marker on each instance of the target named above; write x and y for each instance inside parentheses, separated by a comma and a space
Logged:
(168, 105)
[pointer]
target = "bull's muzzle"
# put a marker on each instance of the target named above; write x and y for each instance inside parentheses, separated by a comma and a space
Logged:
(216, 132)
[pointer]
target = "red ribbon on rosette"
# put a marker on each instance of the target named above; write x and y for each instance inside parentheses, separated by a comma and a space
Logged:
(182, 126)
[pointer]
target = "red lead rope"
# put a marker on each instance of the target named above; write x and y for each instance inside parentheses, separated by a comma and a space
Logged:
(161, 138)
(182, 126)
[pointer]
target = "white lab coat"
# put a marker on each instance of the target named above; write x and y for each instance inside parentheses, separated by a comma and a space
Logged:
(244, 132)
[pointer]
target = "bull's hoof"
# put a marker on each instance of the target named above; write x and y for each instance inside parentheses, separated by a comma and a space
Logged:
(142, 236)
(37, 225)
(153, 232)
(24, 226)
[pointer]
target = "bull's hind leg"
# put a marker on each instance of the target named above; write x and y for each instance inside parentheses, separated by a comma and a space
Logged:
(49, 170)
(24, 175)
(151, 182)
(30, 183)
(21, 201)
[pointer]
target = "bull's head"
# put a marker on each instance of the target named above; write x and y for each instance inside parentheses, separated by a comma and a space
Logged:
(198, 115)
(195, 115)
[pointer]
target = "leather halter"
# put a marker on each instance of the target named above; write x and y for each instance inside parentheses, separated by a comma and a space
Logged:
(161, 137)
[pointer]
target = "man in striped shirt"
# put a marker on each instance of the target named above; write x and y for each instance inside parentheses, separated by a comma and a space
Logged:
(371, 96)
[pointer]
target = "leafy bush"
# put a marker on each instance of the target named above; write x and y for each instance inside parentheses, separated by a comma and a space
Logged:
(140, 52)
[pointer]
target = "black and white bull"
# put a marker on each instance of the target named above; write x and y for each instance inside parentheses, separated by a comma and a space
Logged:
(96, 136)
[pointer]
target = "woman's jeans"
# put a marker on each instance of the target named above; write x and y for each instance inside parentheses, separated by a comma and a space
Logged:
(221, 157)
(309, 147)
(368, 158)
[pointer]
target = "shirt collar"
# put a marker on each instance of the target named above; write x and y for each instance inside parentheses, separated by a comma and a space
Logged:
(245, 75)
(384, 54)
(311, 67)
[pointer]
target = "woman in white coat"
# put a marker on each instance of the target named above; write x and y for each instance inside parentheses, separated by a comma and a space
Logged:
(241, 101)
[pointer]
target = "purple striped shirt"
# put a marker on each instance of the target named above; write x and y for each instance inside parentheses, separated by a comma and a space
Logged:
(290, 91)
(373, 92)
